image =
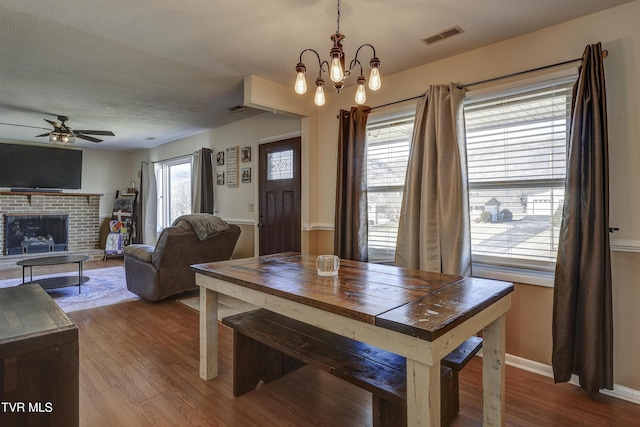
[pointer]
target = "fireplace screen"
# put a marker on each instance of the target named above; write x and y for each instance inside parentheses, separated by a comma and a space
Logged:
(27, 234)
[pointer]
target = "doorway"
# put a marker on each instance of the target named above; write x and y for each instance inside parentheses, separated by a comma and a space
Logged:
(279, 197)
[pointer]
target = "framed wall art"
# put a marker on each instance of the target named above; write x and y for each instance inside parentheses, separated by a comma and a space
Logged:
(245, 154)
(246, 175)
(231, 167)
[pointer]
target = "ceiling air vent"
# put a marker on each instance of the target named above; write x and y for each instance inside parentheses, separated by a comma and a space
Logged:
(445, 34)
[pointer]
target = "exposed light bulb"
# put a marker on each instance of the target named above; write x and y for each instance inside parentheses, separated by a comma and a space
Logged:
(336, 73)
(301, 83)
(361, 95)
(374, 79)
(319, 98)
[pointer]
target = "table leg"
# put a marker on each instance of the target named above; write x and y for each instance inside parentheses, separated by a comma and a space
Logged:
(493, 371)
(423, 394)
(80, 277)
(208, 334)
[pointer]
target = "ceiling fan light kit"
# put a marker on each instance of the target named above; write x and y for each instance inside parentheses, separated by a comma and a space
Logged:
(337, 71)
(64, 135)
(62, 138)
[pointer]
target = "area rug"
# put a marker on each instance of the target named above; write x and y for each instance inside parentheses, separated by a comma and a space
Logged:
(106, 286)
(227, 306)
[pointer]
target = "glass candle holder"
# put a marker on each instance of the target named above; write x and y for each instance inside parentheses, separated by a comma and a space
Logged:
(327, 265)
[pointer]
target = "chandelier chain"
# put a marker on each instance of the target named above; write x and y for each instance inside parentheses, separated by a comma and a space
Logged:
(338, 19)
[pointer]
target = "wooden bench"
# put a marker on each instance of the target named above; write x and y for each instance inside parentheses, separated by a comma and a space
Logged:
(268, 346)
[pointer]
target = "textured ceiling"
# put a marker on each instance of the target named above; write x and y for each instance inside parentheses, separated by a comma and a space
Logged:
(164, 69)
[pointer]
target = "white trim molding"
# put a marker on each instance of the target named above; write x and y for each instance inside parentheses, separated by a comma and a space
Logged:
(239, 221)
(619, 392)
(317, 227)
(625, 245)
(288, 135)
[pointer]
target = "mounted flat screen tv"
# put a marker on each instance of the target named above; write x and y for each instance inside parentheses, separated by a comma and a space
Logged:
(27, 167)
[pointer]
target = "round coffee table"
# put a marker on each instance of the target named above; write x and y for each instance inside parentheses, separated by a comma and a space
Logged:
(55, 282)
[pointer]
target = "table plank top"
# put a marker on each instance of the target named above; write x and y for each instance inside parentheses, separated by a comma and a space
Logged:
(413, 302)
(27, 311)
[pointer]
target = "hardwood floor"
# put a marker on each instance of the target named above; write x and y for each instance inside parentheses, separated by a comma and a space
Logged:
(139, 367)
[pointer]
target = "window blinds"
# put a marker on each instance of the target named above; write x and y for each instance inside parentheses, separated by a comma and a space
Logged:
(516, 153)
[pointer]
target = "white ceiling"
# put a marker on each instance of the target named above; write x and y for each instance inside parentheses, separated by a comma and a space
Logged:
(166, 69)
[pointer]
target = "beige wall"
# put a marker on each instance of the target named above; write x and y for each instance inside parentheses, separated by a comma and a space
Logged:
(244, 246)
(529, 321)
(320, 242)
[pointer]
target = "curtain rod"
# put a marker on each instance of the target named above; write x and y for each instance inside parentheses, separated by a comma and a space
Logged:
(605, 53)
(168, 160)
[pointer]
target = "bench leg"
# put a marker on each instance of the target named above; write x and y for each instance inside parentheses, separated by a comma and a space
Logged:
(449, 398)
(387, 414)
(254, 362)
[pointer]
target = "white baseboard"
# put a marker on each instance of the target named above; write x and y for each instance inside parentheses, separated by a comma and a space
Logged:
(620, 392)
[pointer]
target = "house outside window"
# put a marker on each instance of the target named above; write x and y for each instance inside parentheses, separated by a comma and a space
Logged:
(173, 179)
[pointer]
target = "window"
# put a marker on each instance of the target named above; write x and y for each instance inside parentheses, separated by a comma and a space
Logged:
(516, 153)
(173, 178)
(387, 156)
(280, 165)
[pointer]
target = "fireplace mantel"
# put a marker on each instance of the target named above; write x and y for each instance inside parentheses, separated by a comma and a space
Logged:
(46, 193)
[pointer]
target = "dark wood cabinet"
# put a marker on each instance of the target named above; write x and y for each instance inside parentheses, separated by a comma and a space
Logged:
(39, 371)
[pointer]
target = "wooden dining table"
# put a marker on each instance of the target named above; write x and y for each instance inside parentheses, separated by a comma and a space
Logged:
(417, 314)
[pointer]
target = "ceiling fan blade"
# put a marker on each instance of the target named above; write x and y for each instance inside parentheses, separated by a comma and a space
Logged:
(88, 138)
(94, 132)
(52, 123)
(44, 134)
(23, 126)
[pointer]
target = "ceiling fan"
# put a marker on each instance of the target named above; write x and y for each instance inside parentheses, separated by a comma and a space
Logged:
(62, 133)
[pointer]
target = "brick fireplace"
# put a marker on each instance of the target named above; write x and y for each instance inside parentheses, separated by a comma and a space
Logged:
(81, 210)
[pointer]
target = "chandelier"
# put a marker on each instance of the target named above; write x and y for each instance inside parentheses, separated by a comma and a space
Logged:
(337, 71)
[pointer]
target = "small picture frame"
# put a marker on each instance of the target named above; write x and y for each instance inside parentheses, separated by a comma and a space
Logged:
(245, 154)
(220, 177)
(246, 175)
(220, 158)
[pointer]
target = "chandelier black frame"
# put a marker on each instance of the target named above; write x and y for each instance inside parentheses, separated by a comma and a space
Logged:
(336, 70)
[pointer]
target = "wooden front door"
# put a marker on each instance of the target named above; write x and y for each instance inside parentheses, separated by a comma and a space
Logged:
(279, 198)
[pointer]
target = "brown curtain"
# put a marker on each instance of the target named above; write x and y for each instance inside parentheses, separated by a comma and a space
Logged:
(582, 302)
(434, 230)
(202, 179)
(351, 223)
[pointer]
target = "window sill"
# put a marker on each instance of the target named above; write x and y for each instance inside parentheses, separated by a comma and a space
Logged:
(517, 275)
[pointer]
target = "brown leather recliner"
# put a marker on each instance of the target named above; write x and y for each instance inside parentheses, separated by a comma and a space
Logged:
(156, 272)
